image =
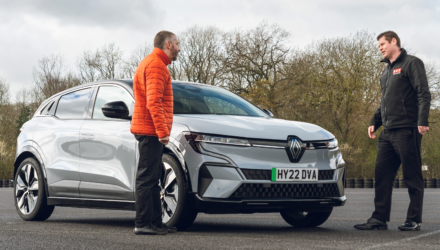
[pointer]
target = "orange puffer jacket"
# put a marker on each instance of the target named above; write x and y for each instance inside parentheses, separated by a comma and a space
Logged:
(153, 94)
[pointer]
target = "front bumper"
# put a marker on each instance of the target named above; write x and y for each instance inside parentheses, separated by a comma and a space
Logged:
(234, 190)
(226, 182)
(224, 206)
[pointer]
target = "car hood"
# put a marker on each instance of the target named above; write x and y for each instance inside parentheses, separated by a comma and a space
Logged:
(253, 127)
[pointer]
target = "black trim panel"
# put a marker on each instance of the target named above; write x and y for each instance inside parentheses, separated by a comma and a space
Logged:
(91, 203)
(205, 179)
(221, 206)
(269, 143)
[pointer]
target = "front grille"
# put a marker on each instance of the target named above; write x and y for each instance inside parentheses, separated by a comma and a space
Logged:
(258, 174)
(268, 190)
(326, 174)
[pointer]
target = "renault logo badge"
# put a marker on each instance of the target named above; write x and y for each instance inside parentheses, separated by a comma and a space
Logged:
(295, 149)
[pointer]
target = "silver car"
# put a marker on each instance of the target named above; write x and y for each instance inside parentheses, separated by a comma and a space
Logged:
(225, 155)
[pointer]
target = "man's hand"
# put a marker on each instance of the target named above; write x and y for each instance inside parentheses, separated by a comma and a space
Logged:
(423, 129)
(371, 132)
(164, 140)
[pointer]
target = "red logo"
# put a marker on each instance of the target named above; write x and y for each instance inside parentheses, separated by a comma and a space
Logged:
(397, 71)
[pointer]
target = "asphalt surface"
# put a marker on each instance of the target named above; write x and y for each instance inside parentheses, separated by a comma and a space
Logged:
(79, 228)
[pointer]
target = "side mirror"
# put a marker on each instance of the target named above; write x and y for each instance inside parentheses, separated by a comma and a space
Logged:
(268, 112)
(116, 110)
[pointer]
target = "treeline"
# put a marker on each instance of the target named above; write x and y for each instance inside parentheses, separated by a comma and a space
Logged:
(333, 83)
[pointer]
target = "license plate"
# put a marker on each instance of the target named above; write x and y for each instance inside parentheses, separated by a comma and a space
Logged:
(294, 174)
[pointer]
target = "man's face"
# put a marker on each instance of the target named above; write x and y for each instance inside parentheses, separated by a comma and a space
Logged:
(174, 48)
(386, 48)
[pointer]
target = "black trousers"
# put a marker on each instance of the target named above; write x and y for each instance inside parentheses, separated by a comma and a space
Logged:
(147, 195)
(397, 147)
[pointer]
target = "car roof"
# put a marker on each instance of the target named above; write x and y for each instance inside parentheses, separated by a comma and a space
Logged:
(128, 83)
(125, 83)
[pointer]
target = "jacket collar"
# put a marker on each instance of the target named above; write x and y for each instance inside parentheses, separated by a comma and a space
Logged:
(400, 57)
(163, 57)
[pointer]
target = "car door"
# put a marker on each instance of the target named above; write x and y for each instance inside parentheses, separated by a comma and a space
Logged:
(108, 150)
(57, 135)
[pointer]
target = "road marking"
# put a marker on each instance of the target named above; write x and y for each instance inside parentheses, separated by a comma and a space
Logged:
(397, 242)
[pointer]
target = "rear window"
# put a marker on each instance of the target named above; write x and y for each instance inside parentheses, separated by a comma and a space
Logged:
(73, 105)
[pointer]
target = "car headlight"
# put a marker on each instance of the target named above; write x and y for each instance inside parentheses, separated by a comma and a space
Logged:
(332, 144)
(193, 139)
(222, 140)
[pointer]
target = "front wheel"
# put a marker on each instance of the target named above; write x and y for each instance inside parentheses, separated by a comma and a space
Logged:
(176, 207)
(305, 219)
(29, 192)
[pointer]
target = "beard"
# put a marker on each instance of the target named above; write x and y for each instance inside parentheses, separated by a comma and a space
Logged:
(174, 53)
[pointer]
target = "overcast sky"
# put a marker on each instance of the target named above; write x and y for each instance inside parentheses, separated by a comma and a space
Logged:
(31, 29)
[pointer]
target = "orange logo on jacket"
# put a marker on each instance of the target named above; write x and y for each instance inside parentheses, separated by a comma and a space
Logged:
(397, 71)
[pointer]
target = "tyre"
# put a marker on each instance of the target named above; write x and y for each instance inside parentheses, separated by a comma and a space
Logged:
(176, 207)
(29, 192)
(305, 219)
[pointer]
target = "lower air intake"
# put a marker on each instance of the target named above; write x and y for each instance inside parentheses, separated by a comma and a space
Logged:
(256, 190)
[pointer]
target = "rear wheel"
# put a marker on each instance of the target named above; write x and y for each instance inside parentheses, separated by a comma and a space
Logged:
(29, 192)
(176, 207)
(305, 219)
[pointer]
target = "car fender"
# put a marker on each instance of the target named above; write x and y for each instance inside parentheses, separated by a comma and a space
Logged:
(31, 149)
(171, 147)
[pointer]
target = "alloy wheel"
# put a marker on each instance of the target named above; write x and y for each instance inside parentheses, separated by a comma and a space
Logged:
(169, 193)
(26, 189)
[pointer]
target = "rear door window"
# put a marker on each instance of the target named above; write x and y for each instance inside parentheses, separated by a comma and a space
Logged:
(108, 94)
(73, 105)
(46, 110)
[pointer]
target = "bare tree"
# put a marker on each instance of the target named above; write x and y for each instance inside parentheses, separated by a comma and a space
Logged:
(4, 92)
(7, 135)
(202, 57)
(103, 64)
(50, 77)
(130, 65)
(433, 74)
(255, 63)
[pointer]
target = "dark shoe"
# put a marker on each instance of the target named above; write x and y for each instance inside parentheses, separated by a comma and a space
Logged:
(372, 224)
(151, 229)
(410, 225)
(167, 228)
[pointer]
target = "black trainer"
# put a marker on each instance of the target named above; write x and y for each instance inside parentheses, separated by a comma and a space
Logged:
(410, 225)
(167, 228)
(150, 229)
(372, 224)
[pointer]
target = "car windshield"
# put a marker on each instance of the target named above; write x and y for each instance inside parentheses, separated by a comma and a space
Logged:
(199, 99)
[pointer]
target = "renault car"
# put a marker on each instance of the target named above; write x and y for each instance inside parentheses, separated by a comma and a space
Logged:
(225, 155)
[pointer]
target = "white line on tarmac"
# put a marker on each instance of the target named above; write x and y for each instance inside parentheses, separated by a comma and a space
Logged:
(398, 242)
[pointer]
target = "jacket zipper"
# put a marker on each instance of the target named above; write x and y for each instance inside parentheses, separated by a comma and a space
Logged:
(386, 91)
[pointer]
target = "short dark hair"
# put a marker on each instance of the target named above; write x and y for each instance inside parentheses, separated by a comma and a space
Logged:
(161, 38)
(389, 35)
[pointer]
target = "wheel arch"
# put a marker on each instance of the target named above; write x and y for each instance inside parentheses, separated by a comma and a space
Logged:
(171, 149)
(32, 152)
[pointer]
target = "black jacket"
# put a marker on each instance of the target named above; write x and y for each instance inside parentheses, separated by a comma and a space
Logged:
(406, 99)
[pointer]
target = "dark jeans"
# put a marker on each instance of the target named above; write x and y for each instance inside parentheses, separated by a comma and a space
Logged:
(148, 206)
(396, 147)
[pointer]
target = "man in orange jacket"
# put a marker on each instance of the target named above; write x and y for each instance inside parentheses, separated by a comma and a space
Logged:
(151, 125)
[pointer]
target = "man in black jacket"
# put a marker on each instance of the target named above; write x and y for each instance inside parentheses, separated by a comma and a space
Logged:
(403, 111)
